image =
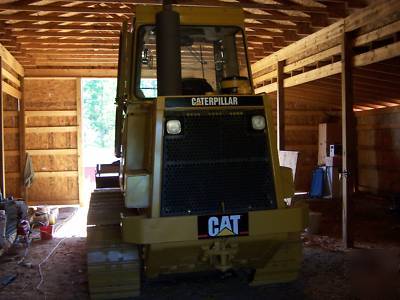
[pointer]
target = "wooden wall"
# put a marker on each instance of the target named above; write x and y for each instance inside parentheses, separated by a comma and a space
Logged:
(52, 119)
(302, 117)
(11, 125)
(378, 133)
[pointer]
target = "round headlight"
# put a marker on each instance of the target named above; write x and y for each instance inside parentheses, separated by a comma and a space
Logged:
(174, 127)
(258, 122)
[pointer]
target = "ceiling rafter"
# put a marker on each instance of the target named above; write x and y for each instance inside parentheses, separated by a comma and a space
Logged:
(91, 27)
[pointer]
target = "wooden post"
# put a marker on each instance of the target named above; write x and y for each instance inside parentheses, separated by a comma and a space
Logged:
(22, 148)
(2, 159)
(82, 200)
(348, 138)
(280, 106)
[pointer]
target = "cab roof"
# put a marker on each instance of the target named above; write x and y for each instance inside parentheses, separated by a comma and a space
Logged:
(189, 15)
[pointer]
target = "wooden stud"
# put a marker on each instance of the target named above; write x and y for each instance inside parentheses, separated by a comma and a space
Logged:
(22, 147)
(348, 136)
(2, 157)
(82, 200)
(280, 99)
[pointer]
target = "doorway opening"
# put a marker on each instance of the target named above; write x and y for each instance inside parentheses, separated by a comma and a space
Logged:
(98, 120)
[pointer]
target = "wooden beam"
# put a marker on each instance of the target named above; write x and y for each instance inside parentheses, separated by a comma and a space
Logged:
(57, 26)
(313, 59)
(68, 46)
(93, 34)
(59, 41)
(10, 90)
(48, 18)
(66, 9)
(70, 52)
(372, 15)
(377, 34)
(11, 61)
(276, 17)
(78, 72)
(214, 3)
(7, 75)
(314, 43)
(377, 55)
(280, 104)
(2, 157)
(348, 143)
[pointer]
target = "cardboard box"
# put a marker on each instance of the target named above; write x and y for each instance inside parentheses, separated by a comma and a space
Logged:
(328, 134)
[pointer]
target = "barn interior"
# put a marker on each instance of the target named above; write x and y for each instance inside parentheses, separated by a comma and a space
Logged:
(330, 70)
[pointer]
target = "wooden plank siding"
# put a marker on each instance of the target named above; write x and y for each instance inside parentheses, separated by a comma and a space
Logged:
(318, 55)
(378, 133)
(52, 127)
(11, 144)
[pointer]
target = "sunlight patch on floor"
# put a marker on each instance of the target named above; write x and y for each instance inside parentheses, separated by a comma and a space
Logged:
(75, 226)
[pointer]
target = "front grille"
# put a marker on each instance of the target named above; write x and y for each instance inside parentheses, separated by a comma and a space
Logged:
(218, 164)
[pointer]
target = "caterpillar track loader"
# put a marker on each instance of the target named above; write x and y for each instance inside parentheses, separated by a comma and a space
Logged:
(201, 187)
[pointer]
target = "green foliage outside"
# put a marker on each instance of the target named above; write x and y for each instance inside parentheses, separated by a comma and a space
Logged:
(99, 112)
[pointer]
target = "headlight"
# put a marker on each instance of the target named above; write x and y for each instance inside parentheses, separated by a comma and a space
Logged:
(258, 122)
(174, 127)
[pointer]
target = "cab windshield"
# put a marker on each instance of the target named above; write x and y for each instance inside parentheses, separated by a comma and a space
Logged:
(209, 54)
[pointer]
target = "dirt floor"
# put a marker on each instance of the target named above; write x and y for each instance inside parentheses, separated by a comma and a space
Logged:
(327, 272)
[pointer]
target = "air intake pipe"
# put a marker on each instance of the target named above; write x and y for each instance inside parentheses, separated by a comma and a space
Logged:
(169, 73)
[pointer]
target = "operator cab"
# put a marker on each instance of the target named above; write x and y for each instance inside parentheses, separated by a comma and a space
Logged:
(213, 61)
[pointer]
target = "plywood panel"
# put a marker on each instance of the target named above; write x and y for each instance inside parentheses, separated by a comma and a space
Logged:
(13, 186)
(11, 141)
(54, 190)
(55, 163)
(10, 103)
(51, 112)
(10, 120)
(12, 163)
(50, 94)
(38, 121)
(58, 140)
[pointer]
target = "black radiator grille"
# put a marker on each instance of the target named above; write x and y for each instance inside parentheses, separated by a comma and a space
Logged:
(218, 164)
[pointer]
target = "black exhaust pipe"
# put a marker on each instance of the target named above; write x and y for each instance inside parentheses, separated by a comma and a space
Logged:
(169, 73)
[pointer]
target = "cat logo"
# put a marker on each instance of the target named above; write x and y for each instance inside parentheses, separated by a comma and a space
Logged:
(222, 226)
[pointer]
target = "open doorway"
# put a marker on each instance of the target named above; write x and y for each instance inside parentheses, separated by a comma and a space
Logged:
(98, 120)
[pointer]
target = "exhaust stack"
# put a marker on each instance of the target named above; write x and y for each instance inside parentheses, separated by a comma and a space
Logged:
(169, 75)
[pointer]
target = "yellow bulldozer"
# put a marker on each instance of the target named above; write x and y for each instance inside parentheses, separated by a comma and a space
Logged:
(201, 187)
